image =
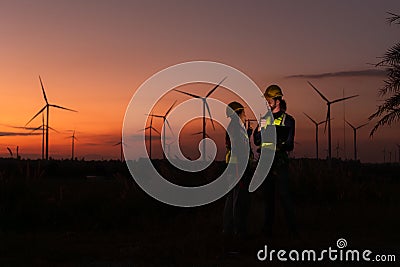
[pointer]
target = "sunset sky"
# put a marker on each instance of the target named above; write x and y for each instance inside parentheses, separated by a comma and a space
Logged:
(93, 55)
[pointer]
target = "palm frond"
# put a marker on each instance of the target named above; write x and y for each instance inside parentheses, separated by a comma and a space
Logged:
(394, 18)
(392, 83)
(390, 109)
(391, 57)
(389, 105)
(392, 117)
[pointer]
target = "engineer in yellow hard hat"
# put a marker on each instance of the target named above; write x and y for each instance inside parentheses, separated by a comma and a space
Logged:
(277, 182)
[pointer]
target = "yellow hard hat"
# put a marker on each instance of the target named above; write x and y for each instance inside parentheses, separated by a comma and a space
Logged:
(273, 91)
(233, 107)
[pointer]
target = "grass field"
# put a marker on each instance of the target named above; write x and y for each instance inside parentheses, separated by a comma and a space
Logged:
(91, 213)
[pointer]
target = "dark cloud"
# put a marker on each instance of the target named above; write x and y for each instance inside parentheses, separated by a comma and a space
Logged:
(353, 73)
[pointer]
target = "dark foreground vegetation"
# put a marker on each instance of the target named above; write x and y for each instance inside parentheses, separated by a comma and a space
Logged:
(69, 213)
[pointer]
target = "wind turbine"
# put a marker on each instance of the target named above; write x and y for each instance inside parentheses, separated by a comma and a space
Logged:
(120, 143)
(73, 138)
(151, 128)
(47, 108)
(317, 124)
(205, 105)
(355, 136)
(328, 116)
(165, 122)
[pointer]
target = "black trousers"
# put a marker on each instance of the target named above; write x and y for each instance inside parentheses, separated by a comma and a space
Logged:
(276, 190)
(237, 206)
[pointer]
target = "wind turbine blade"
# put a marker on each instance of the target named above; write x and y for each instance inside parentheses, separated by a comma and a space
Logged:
(327, 119)
(51, 128)
(56, 106)
(169, 126)
(209, 93)
(34, 129)
(40, 111)
(310, 118)
(342, 99)
(326, 99)
(169, 110)
(361, 126)
(152, 115)
(209, 113)
(9, 151)
(350, 124)
(189, 94)
(44, 93)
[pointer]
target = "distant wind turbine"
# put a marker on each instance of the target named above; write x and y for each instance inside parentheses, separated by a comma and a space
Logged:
(47, 108)
(121, 144)
(73, 138)
(355, 136)
(328, 115)
(151, 128)
(165, 122)
(317, 124)
(205, 106)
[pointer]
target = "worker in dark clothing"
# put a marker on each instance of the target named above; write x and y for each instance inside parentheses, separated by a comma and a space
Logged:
(238, 199)
(277, 183)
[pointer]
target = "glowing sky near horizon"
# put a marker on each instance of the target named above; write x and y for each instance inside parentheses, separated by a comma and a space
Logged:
(93, 55)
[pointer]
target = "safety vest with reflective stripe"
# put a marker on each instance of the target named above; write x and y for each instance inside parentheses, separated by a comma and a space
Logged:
(280, 121)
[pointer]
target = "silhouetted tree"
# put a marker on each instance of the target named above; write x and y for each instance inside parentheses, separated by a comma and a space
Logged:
(389, 111)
